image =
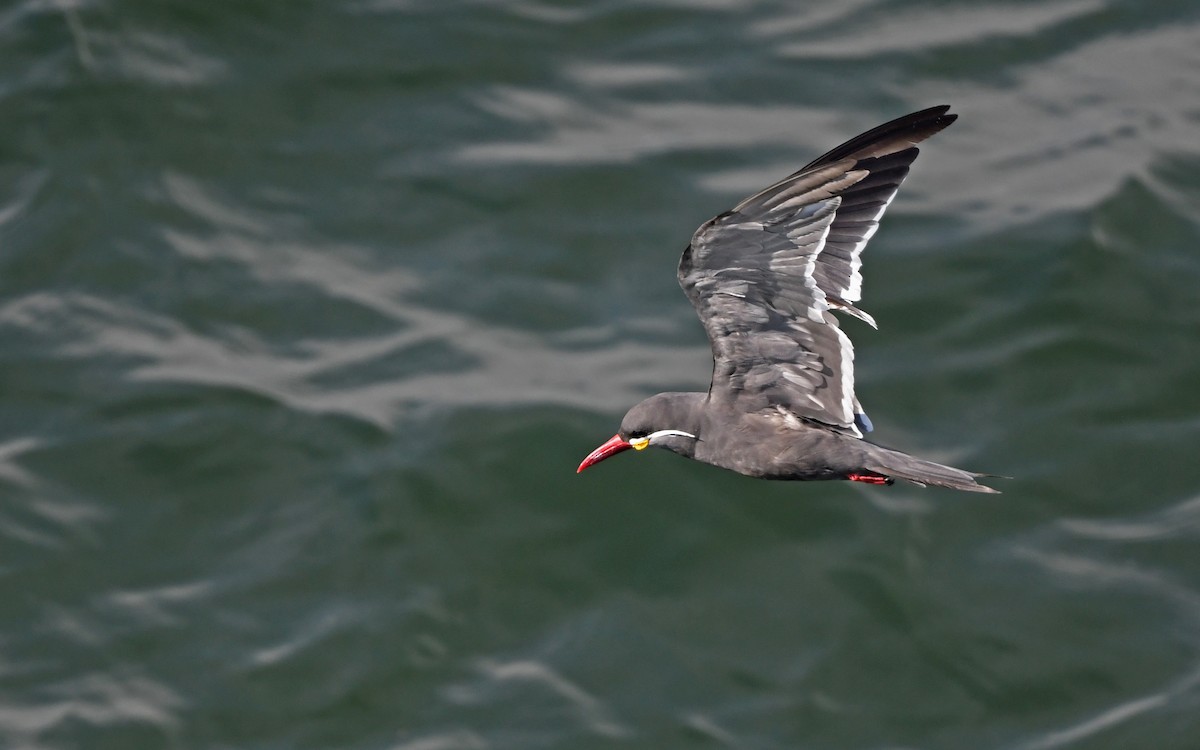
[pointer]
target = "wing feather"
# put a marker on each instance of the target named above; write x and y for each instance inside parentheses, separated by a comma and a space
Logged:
(766, 276)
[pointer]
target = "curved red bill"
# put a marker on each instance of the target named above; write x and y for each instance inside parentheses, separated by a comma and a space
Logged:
(612, 446)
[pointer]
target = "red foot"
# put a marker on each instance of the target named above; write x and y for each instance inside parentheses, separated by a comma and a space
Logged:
(870, 478)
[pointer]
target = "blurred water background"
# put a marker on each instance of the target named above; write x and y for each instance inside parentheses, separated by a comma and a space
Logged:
(309, 310)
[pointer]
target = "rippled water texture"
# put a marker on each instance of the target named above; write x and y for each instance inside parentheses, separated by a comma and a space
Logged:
(308, 312)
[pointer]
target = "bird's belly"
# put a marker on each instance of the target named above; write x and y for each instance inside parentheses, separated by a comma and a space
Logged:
(798, 455)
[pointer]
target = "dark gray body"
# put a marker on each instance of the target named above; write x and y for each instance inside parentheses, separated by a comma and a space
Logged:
(770, 445)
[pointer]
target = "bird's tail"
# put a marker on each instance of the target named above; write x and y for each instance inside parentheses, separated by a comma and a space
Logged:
(919, 471)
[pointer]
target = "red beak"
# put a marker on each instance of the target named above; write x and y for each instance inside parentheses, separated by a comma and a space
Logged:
(612, 446)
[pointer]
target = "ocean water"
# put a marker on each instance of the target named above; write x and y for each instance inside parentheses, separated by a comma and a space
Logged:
(308, 312)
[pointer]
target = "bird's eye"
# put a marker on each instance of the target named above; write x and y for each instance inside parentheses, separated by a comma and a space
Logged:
(635, 434)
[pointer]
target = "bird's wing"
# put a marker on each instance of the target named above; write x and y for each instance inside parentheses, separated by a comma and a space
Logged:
(765, 276)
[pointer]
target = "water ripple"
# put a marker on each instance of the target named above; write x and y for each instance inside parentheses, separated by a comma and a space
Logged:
(582, 134)
(508, 681)
(98, 701)
(924, 29)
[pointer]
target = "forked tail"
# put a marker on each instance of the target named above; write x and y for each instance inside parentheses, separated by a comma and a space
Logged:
(919, 471)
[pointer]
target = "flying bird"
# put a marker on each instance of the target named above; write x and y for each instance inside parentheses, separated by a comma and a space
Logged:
(766, 279)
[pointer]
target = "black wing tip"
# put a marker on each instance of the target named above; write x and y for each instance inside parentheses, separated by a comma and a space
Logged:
(894, 135)
(939, 113)
(944, 116)
(920, 124)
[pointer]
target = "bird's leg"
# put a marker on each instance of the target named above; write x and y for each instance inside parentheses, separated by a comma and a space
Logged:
(870, 478)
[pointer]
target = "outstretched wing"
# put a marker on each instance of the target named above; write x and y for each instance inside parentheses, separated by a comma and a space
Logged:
(765, 276)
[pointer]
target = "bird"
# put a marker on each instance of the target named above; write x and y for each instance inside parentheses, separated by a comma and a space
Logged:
(768, 279)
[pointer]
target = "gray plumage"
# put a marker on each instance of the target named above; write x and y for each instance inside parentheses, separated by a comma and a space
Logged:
(766, 279)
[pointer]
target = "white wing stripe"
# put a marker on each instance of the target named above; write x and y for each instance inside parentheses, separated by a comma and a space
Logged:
(846, 369)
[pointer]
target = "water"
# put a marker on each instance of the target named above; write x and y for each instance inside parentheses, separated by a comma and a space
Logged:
(308, 312)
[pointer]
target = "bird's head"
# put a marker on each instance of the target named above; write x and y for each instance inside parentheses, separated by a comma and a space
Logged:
(668, 420)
